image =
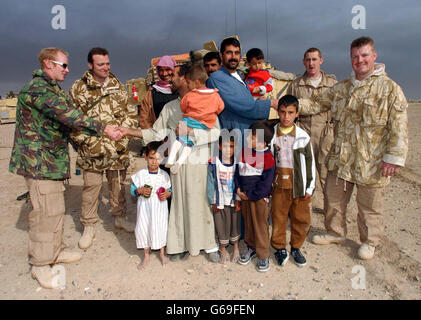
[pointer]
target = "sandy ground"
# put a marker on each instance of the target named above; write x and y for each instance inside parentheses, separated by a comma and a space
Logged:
(108, 270)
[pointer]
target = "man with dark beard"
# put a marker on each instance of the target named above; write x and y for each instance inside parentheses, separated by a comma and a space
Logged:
(241, 110)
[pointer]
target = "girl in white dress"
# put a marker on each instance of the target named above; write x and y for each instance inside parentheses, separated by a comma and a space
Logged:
(152, 186)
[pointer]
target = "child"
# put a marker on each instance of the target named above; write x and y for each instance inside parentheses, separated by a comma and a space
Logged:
(293, 184)
(220, 190)
(258, 80)
(152, 187)
(200, 107)
(253, 177)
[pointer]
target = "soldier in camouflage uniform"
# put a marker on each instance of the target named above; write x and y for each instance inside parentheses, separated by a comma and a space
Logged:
(369, 111)
(319, 126)
(44, 118)
(100, 95)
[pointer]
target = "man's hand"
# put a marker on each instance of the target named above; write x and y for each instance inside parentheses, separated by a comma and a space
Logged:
(274, 104)
(214, 208)
(389, 169)
(113, 132)
(130, 132)
(242, 195)
(307, 196)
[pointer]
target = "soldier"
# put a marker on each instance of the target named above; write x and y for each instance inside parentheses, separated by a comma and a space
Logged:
(369, 112)
(100, 95)
(44, 118)
(211, 62)
(319, 126)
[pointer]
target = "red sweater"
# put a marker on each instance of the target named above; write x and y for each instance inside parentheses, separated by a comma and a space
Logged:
(261, 79)
(254, 173)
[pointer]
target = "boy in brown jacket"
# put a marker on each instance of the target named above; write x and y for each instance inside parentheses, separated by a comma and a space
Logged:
(293, 183)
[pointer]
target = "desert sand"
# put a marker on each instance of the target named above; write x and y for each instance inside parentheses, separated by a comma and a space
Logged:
(108, 269)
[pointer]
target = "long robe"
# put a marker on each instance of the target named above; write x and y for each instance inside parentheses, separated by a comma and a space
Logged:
(190, 227)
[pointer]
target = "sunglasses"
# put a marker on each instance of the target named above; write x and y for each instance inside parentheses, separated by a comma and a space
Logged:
(64, 65)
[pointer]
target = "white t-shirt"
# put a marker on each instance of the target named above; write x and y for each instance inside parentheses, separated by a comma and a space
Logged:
(226, 178)
(315, 82)
(237, 76)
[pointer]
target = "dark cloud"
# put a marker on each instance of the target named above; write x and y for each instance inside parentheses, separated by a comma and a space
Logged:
(136, 31)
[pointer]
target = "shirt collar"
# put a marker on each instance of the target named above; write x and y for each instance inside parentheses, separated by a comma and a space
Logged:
(279, 132)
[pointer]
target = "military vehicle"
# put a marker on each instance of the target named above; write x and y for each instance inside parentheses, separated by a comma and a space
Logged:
(8, 110)
(138, 87)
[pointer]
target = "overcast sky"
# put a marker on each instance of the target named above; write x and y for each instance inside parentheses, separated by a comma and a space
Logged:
(136, 31)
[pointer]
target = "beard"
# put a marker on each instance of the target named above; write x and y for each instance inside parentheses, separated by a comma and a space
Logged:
(231, 64)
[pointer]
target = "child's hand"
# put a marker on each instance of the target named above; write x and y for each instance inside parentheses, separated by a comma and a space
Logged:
(164, 195)
(146, 192)
(237, 205)
(214, 208)
(242, 195)
(139, 191)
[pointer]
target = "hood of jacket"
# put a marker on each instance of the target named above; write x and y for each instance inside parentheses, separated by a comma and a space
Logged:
(379, 69)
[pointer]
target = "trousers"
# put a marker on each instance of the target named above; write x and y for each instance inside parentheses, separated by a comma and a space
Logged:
(90, 194)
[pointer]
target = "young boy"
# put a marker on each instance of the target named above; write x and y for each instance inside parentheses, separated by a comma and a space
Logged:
(152, 186)
(258, 80)
(254, 176)
(220, 191)
(293, 184)
(200, 109)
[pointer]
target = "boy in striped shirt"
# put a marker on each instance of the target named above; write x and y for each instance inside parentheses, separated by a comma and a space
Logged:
(253, 179)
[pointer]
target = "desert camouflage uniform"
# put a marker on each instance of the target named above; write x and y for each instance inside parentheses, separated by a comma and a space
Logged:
(44, 118)
(370, 126)
(318, 126)
(107, 103)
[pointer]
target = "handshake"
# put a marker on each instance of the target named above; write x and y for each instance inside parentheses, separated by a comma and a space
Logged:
(116, 133)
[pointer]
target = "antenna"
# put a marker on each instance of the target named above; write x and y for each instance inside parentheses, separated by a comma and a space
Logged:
(226, 24)
(235, 15)
(267, 33)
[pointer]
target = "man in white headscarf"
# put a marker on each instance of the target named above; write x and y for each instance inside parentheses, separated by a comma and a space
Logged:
(159, 94)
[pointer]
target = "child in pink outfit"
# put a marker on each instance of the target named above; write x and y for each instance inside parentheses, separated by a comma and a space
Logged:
(201, 107)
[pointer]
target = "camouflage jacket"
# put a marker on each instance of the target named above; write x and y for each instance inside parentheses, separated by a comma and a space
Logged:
(107, 103)
(44, 118)
(370, 126)
(302, 88)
